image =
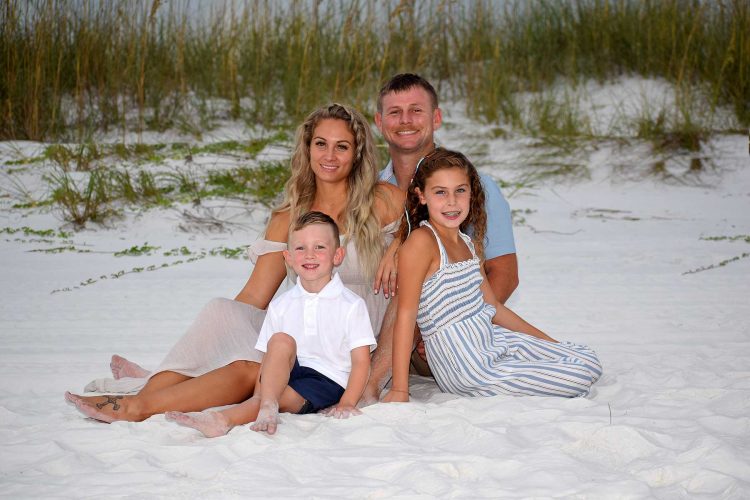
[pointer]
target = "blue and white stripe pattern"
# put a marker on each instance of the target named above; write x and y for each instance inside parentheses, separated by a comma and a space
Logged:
(470, 356)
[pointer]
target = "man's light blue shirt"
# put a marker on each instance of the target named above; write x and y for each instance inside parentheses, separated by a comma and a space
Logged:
(499, 239)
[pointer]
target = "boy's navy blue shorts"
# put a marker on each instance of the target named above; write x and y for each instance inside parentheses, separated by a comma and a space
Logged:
(318, 390)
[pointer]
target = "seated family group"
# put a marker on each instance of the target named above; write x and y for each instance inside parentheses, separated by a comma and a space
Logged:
(418, 254)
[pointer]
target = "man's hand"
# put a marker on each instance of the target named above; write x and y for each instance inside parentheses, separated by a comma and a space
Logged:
(420, 348)
(386, 275)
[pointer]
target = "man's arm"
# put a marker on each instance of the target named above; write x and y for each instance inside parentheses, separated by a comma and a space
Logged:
(500, 265)
(502, 274)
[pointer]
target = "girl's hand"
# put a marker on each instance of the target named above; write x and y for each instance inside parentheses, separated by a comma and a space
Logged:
(341, 411)
(395, 396)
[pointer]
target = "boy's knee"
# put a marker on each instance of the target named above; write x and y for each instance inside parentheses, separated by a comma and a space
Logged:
(282, 340)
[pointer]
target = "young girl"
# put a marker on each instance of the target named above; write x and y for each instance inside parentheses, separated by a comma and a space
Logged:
(442, 289)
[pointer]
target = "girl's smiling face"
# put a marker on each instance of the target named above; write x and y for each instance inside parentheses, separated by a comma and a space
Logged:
(447, 194)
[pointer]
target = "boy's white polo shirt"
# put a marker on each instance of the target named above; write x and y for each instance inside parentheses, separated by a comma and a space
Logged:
(326, 326)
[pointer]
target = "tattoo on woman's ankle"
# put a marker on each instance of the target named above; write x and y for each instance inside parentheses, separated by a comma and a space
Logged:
(110, 400)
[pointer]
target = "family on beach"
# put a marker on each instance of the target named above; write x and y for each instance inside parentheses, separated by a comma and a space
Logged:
(420, 254)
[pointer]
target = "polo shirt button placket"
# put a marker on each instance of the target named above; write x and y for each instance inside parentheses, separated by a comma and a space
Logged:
(311, 316)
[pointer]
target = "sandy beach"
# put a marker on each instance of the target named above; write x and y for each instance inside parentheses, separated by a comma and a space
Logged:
(651, 272)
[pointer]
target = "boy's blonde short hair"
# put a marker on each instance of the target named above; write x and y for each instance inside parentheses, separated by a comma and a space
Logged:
(315, 217)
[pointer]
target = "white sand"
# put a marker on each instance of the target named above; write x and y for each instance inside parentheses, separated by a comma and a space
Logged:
(601, 263)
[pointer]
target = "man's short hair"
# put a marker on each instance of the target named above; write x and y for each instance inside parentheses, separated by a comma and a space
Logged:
(406, 81)
(315, 217)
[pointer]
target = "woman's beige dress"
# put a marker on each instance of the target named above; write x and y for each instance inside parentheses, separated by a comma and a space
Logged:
(226, 330)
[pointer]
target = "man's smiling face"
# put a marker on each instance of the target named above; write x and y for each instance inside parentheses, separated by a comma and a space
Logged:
(408, 121)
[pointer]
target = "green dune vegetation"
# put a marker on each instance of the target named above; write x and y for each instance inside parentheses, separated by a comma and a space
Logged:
(70, 67)
(74, 69)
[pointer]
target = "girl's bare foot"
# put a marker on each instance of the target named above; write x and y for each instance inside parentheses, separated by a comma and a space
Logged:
(210, 423)
(103, 408)
(121, 367)
(268, 417)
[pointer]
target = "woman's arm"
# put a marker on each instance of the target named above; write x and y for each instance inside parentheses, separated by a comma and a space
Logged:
(418, 256)
(269, 270)
(389, 207)
(508, 319)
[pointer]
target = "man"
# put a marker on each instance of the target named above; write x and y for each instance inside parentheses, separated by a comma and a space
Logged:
(407, 116)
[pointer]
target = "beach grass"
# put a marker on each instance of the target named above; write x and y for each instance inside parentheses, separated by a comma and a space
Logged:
(71, 68)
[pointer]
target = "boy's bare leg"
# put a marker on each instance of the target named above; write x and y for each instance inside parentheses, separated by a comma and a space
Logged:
(218, 423)
(122, 367)
(226, 385)
(273, 389)
(209, 423)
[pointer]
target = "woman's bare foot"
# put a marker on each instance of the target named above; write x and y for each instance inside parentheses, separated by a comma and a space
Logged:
(121, 367)
(103, 408)
(268, 417)
(210, 423)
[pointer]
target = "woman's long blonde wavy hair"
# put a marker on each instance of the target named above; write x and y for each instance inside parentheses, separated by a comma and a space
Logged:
(358, 220)
(416, 212)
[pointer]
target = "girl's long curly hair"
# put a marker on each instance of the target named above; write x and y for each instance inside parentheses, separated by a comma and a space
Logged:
(358, 220)
(416, 212)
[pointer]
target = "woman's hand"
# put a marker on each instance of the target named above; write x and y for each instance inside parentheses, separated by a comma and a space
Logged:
(396, 396)
(387, 275)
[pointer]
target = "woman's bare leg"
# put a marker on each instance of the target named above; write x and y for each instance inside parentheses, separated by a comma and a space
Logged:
(164, 380)
(226, 385)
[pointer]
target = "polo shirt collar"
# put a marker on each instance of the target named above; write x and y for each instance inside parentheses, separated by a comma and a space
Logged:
(332, 289)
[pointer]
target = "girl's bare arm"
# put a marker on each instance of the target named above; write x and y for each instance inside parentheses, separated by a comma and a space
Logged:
(418, 255)
(508, 319)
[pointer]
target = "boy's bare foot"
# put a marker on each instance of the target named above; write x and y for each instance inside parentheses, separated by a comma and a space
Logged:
(210, 423)
(121, 367)
(268, 417)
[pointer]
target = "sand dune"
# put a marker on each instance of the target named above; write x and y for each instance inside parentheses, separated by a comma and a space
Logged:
(602, 262)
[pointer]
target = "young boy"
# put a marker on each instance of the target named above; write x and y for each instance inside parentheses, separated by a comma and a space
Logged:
(316, 338)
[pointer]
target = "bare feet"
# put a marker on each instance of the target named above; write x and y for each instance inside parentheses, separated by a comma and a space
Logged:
(121, 367)
(268, 417)
(95, 410)
(210, 423)
(103, 408)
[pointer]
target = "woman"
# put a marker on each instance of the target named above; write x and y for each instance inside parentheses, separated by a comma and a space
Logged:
(334, 171)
